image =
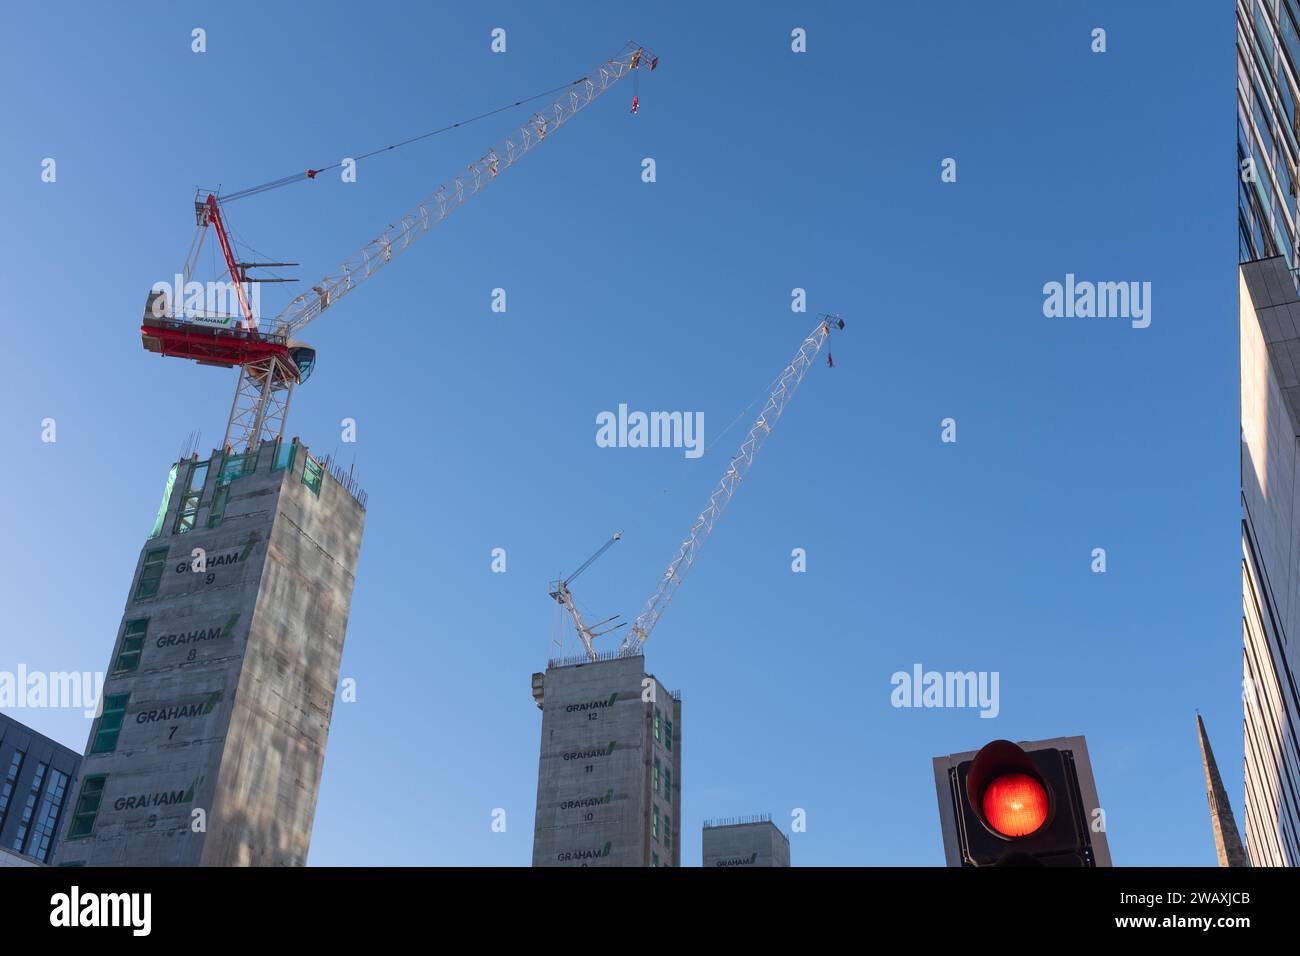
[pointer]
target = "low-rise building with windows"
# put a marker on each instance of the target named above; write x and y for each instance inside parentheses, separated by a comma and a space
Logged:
(37, 773)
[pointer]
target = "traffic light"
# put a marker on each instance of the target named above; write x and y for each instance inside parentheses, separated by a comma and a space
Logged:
(1029, 804)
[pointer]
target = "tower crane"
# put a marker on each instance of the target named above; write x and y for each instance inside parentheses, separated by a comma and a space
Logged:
(737, 469)
(272, 361)
(564, 597)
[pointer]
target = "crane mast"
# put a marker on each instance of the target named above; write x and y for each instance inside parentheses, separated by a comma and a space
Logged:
(741, 462)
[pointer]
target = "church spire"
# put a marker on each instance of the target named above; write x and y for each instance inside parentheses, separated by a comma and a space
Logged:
(1227, 842)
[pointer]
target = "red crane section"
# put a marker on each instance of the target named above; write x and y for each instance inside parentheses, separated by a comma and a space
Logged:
(204, 343)
(207, 345)
(214, 217)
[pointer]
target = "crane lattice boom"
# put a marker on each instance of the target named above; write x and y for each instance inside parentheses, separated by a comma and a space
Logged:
(726, 489)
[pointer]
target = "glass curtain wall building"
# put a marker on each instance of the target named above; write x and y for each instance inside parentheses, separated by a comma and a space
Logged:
(1268, 149)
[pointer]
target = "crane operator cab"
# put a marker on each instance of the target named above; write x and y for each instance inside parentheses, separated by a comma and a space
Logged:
(303, 356)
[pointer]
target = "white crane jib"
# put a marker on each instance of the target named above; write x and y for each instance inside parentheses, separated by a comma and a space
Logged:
(783, 390)
(447, 198)
(738, 468)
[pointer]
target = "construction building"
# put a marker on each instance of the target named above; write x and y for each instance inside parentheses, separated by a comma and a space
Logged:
(220, 686)
(36, 775)
(609, 779)
(747, 841)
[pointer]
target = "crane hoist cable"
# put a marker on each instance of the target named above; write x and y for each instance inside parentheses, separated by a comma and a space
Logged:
(316, 171)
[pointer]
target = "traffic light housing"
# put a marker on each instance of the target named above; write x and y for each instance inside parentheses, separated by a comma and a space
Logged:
(1021, 805)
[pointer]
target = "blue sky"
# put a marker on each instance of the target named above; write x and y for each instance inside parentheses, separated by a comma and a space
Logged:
(476, 430)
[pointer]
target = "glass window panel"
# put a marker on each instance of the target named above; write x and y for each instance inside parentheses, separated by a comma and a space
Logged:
(128, 659)
(10, 781)
(110, 724)
(311, 475)
(151, 573)
(83, 820)
(47, 817)
(166, 500)
(29, 808)
(217, 510)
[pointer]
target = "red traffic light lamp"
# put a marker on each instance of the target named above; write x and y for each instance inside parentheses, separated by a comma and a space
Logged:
(1015, 805)
(1020, 805)
(1007, 791)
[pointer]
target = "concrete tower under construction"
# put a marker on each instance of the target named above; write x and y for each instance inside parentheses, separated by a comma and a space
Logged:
(210, 743)
(609, 778)
(745, 842)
